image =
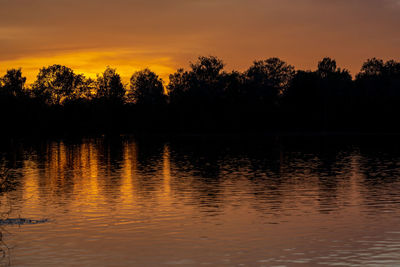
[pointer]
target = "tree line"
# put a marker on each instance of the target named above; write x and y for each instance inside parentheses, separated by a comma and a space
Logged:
(271, 95)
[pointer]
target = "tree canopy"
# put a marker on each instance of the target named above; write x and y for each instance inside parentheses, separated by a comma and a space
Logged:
(146, 88)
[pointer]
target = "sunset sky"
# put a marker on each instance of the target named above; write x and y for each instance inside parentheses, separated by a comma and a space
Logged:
(88, 35)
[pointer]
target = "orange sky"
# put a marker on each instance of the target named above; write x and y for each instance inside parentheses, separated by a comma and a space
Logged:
(88, 35)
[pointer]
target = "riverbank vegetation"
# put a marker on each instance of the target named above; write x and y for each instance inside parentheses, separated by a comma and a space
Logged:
(271, 95)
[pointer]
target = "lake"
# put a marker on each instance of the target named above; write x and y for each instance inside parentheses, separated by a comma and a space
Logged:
(196, 200)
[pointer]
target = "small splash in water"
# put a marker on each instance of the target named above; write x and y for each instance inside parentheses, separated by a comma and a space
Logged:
(21, 221)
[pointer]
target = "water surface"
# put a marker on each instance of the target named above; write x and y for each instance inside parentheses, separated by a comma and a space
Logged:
(204, 201)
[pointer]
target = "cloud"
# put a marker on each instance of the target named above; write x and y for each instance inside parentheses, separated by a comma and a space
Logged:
(240, 31)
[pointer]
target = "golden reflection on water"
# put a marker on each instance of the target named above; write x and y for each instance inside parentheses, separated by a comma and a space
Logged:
(87, 171)
(111, 199)
(94, 173)
(31, 183)
(130, 173)
(167, 171)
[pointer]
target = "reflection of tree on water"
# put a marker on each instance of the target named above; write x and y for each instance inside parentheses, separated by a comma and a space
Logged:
(301, 174)
(380, 179)
(197, 168)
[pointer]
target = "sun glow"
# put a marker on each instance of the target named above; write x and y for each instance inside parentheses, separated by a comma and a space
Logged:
(91, 63)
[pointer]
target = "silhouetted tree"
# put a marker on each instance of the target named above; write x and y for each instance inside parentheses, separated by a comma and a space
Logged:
(372, 68)
(234, 87)
(178, 86)
(333, 80)
(326, 67)
(85, 89)
(303, 88)
(56, 83)
(201, 85)
(146, 88)
(207, 69)
(392, 68)
(268, 79)
(16, 106)
(269, 95)
(204, 80)
(12, 83)
(378, 75)
(319, 98)
(379, 78)
(196, 95)
(109, 86)
(378, 91)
